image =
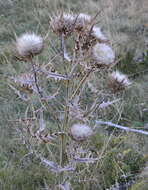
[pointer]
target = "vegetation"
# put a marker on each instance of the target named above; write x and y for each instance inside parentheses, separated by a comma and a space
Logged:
(32, 155)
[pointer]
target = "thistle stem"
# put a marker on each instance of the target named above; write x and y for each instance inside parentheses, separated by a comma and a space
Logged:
(63, 50)
(80, 84)
(35, 79)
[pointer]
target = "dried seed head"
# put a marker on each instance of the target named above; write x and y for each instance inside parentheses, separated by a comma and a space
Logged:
(91, 35)
(103, 54)
(81, 132)
(63, 24)
(82, 21)
(96, 33)
(29, 44)
(118, 81)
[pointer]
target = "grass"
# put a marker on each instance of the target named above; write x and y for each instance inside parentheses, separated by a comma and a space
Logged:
(124, 155)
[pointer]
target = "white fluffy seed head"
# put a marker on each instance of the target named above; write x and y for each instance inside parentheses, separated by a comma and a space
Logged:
(29, 44)
(81, 132)
(96, 32)
(118, 81)
(82, 20)
(103, 54)
(120, 77)
(69, 17)
(84, 17)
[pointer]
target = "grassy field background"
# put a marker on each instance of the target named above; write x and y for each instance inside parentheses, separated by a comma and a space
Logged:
(126, 25)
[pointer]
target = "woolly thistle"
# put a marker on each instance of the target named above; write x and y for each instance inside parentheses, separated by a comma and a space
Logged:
(81, 132)
(28, 45)
(74, 67)
(103, 54)
(118, 81)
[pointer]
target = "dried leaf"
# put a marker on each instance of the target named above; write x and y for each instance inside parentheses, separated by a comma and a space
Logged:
(54, 167)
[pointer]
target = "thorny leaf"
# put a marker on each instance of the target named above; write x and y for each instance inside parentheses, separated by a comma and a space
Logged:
(53, 75)
(52, 96)
(26, 112)
(42, 123)
(75, 111)
(57, 76)
(66, 186)
(26, 82)
(67, 168)
(66, 56)
(54, 167)
(46, 186)
(91, 86)
(85, 160)
(106, 104)
(22, 96)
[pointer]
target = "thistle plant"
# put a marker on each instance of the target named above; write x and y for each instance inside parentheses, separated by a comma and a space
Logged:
(85, 52)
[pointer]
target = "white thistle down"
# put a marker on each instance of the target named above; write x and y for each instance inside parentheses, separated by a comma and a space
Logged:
(96, 32)
(82, 20)
(29, 44)
(81, 132)
(84, 17)
(103, 54)
(120, 77)
(69, 17)
(118, 81)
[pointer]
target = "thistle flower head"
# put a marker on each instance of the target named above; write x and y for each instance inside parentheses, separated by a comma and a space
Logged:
(103, 54)
(29, 44)
(82, 20)
(63, 24)
(96, 32)
(118, 81)
(81, 132)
